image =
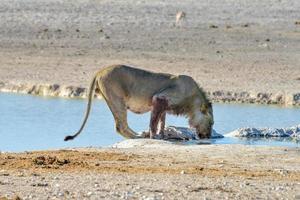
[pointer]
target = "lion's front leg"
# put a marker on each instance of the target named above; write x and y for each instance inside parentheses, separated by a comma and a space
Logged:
(159, 106)
(162, 122)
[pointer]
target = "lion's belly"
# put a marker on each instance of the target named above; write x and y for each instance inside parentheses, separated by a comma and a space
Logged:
(138, 106)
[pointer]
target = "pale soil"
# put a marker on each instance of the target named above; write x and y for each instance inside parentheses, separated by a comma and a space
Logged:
(148, 169)
(65, 42)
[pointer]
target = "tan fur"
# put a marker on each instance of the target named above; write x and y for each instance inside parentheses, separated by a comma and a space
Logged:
(179, 17)
(124, 87)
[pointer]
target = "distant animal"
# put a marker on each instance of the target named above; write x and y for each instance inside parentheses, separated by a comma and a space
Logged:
(179, 17)
(124, 87)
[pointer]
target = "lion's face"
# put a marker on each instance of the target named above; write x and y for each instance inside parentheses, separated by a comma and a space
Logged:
(204, 131)
(202, 121)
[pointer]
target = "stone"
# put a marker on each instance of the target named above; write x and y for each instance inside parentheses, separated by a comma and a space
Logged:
(291, 132)
(182, 133)
(16, 198)
(89, 194)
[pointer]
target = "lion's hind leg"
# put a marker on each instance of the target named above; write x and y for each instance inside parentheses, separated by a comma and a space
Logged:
(119, 111)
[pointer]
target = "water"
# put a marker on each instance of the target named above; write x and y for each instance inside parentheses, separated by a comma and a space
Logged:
(36, 123)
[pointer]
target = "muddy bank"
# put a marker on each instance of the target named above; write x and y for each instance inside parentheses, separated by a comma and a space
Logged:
(56, 90)
(149, 169)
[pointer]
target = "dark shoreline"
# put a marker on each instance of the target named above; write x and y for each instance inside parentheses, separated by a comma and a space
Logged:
(220, 96)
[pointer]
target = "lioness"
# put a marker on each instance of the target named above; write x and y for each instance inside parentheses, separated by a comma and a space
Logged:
(140, 91)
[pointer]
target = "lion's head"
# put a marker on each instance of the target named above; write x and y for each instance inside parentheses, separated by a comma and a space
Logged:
(201, 117)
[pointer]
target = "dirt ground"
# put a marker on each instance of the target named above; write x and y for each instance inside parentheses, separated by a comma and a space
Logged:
(153, 170)
(225, 45)
(229, 45)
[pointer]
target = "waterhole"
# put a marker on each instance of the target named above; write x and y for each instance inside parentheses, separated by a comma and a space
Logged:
(38, 123)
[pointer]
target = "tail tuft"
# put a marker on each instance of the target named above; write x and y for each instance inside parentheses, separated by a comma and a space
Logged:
(69, 137)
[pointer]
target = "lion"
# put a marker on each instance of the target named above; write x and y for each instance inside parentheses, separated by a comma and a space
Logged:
(124, 87)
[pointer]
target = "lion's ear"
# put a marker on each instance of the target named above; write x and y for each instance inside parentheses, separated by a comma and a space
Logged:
(203, 108)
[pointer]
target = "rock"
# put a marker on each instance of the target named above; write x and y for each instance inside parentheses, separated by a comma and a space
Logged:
(39, 184)
(292, 132)
(213, 26)
(245, 25)
(16, 198)
(71, 91)
(183, 133)
(172, 134)
(296, 99)
(49, 160)
(60, 194)
(148, 198)
(89, 194)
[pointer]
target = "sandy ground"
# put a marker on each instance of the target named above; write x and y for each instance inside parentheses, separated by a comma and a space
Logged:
(148, 169)
(229, 45)
(225, 45)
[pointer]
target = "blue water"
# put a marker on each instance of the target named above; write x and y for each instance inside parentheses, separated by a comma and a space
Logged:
(37, 123)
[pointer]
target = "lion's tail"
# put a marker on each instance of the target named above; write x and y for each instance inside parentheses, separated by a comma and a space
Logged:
(90, 98)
